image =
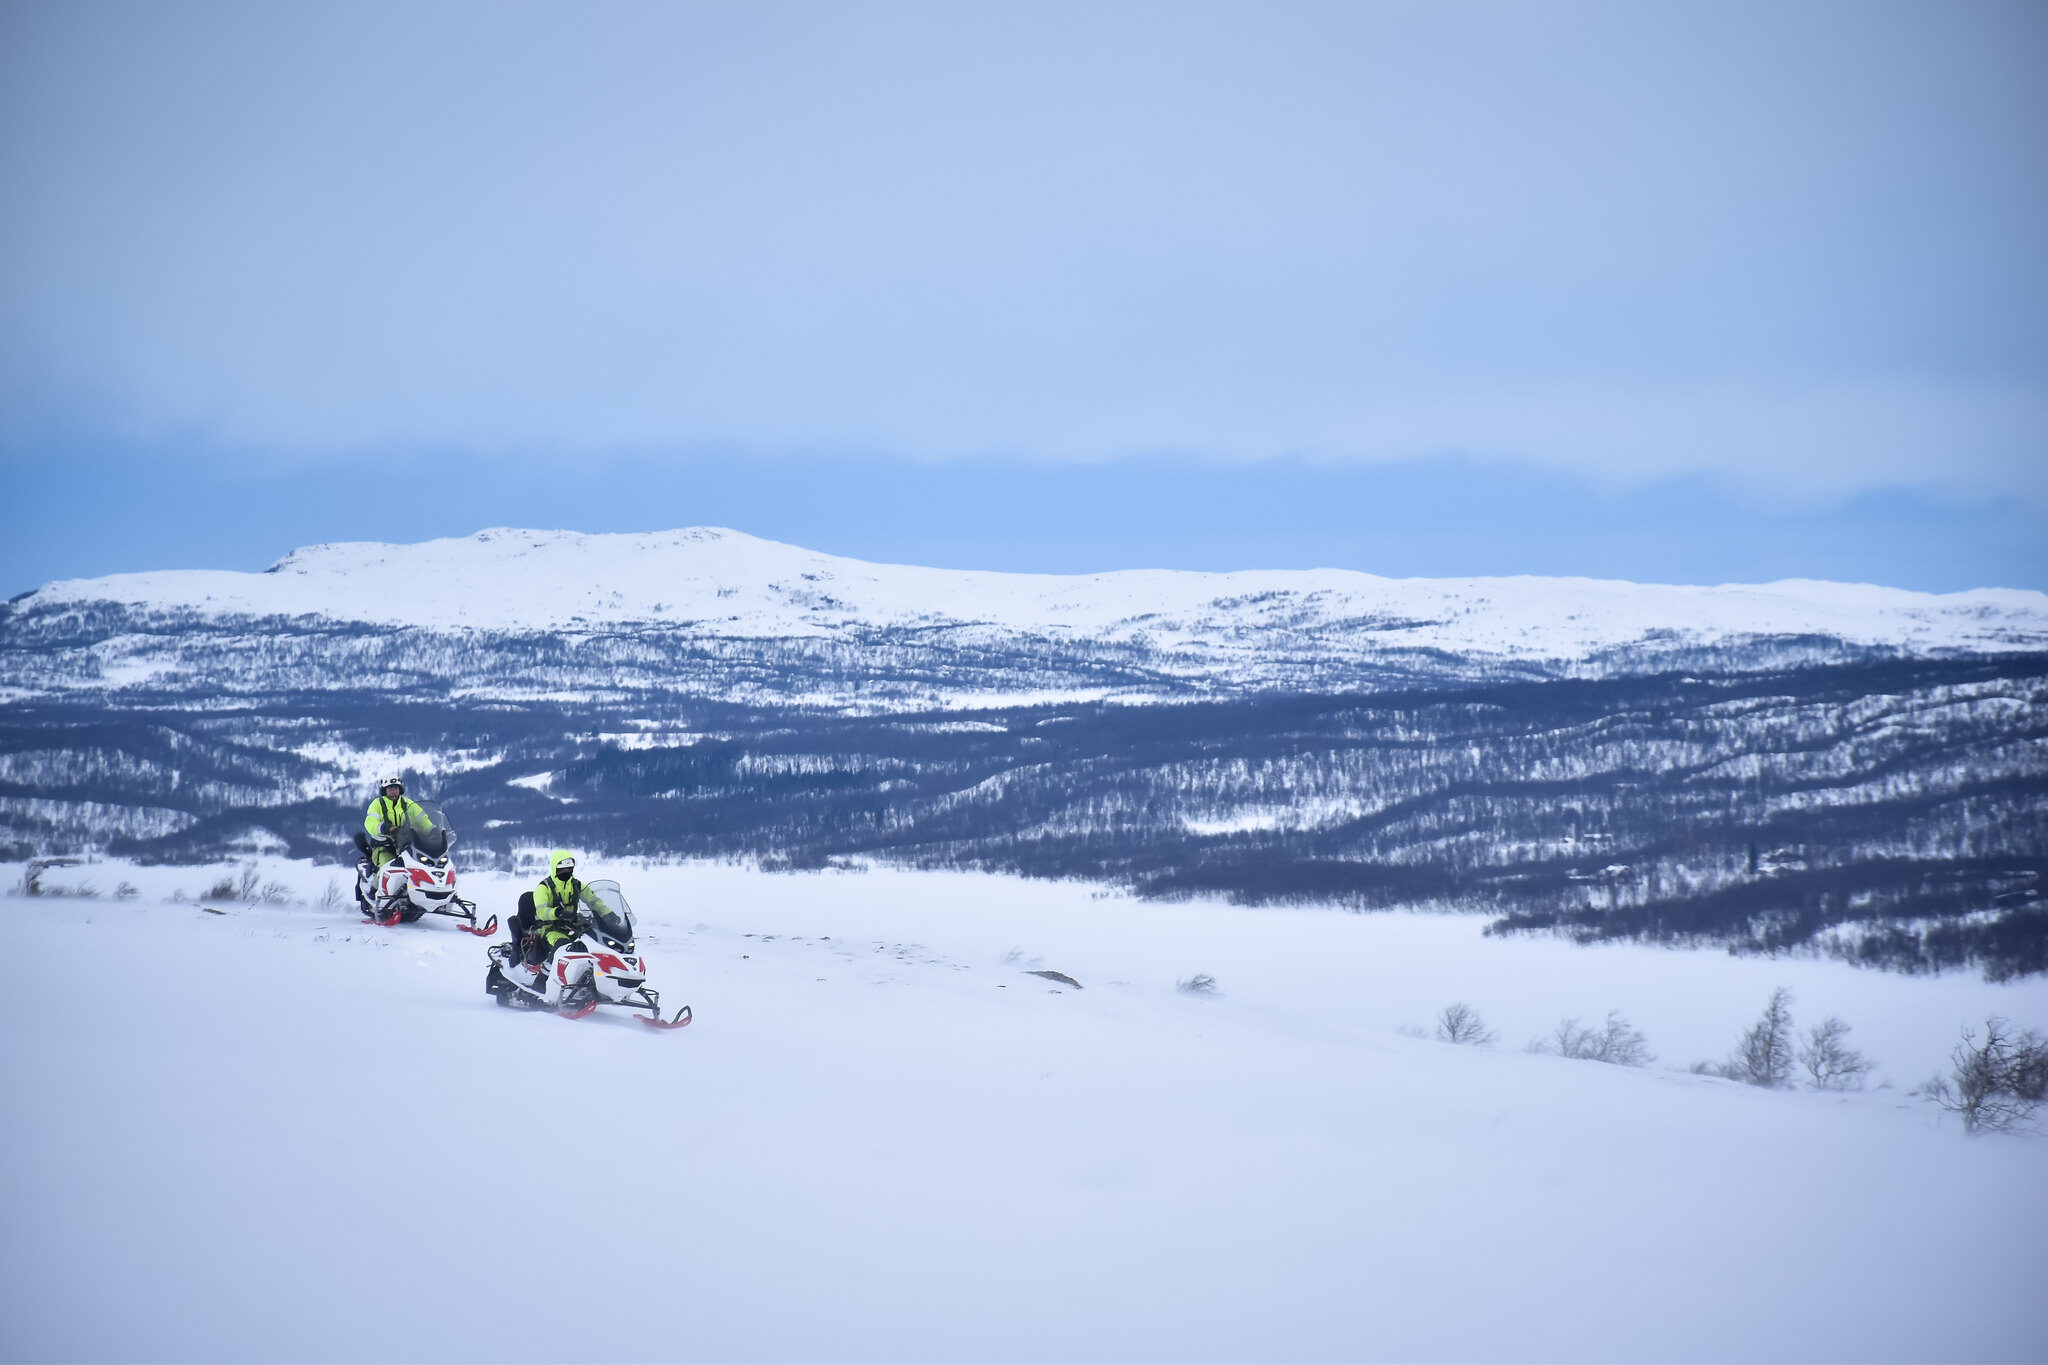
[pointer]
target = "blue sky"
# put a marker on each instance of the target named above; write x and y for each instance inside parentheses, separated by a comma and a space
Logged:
(1692, 292)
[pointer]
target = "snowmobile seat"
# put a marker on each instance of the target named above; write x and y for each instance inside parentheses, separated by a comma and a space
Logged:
(522, 924)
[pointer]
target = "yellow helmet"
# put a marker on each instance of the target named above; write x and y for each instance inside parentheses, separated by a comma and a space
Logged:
(559, 859)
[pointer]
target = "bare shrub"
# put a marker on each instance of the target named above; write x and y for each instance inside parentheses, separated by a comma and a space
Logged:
(1995, 1085)
(1201, 983)
(1622, 1044)
(31, 883)
(1831, 1064)
(1764, 1054)
(1616, 1042)
(82, 891)
(1564, 1040)
(330, 898)
(126, 891)
(1460, 1023)
(246, 885)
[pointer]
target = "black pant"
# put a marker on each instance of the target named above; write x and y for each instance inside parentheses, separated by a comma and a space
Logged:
(523, 920)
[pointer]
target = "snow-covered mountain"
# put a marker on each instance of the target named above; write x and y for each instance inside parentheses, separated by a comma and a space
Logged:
(1160, 629)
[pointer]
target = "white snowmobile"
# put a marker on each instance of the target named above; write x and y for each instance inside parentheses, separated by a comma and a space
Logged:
(420, 878)
(598, 965)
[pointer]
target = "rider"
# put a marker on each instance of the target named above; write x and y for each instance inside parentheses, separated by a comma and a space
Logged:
(550, 908)
(391, 811)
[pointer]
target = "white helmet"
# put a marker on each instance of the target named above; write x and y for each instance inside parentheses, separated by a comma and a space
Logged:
(393, 781)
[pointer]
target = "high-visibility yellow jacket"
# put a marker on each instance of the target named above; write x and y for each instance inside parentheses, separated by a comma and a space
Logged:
(387, 816)
(554, 906)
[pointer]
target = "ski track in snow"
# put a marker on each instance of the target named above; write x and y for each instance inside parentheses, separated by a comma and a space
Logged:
(276, 1134)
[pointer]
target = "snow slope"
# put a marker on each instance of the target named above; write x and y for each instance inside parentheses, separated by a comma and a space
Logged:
(269, 1134)
(721, 582)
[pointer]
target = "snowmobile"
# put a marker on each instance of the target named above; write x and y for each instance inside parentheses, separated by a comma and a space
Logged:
(597, 965)
(419, 880)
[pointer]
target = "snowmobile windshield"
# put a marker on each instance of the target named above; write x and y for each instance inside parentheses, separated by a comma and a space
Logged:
(607, 908)
(426, 829)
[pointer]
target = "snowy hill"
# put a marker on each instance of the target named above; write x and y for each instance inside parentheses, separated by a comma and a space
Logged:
(1216, 630)
(269, 1134)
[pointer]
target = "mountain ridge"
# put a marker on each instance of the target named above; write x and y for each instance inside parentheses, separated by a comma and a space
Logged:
(715, 582)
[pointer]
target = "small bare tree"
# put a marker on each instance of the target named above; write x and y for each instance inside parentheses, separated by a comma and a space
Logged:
(1201, 983)
(1621, 1044)
(1616, 1042)
(1460, 1023)
(1568, 1039)
(1830, 1062)
(1764, 1056)
(1997, 1084)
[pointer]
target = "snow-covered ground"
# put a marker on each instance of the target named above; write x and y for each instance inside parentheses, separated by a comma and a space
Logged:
(272, 1134)
(720, 582)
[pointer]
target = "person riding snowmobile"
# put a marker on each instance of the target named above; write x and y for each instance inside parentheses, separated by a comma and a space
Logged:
(546, 918)
(390, 812)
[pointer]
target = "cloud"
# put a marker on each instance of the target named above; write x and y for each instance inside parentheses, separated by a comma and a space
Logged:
(1794, 247)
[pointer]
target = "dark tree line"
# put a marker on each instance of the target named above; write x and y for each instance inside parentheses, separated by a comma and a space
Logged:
(1894, 812)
